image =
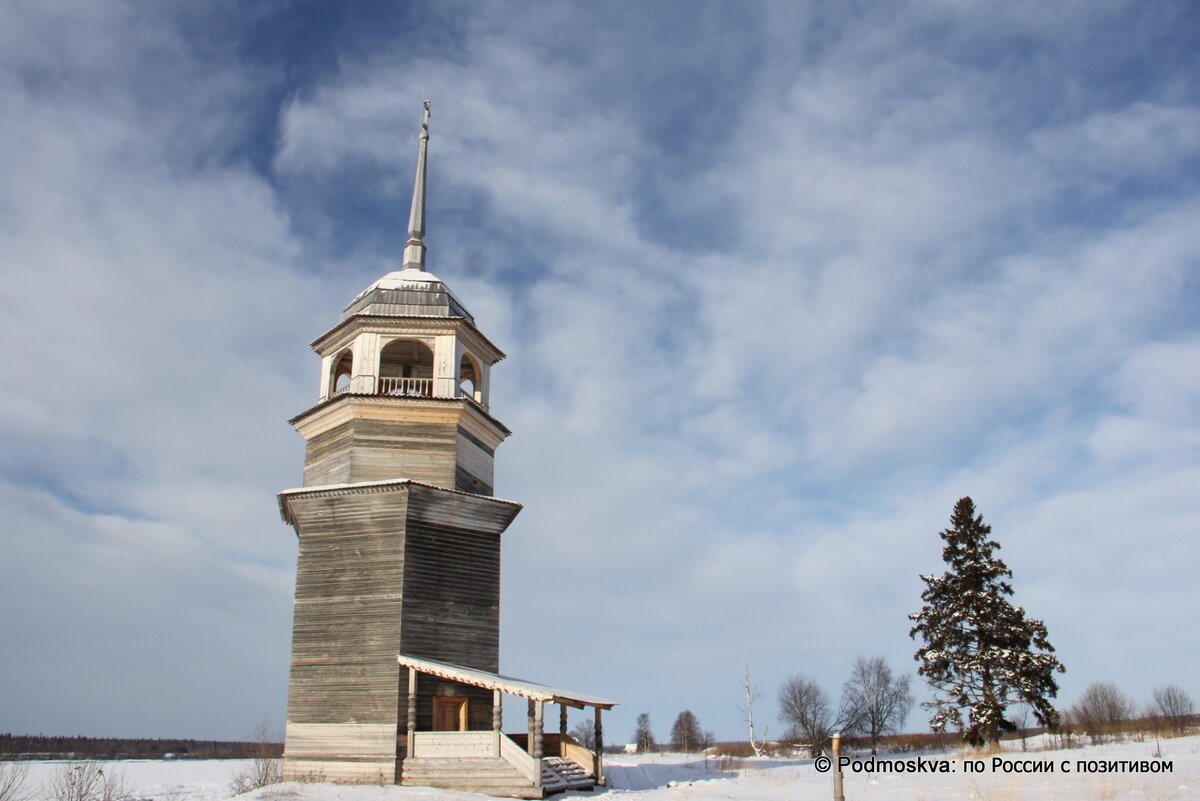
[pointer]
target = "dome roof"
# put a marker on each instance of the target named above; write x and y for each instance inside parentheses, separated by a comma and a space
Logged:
(410, 292)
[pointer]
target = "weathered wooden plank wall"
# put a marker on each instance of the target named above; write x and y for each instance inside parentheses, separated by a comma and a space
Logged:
(377, 450)
(430, 445)
(383, 570)
(349, 590)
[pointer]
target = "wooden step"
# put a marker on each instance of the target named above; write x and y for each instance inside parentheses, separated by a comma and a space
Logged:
(475, 774)
(570, 773)
(551, 781)
(494, 776)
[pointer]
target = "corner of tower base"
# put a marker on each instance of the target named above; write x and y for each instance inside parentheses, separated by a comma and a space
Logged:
(342, 753)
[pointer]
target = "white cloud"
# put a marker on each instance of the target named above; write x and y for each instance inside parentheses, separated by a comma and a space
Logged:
(741, 414)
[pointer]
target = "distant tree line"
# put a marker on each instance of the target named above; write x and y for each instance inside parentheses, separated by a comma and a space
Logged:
(1103, 711)
(23, 746)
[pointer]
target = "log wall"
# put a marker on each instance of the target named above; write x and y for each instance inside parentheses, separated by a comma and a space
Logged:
(377, 450)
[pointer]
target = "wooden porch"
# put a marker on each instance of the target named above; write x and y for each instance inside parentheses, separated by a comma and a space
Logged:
(530, 765)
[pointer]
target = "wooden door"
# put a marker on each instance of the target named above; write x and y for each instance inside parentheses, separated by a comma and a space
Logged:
(449, 714)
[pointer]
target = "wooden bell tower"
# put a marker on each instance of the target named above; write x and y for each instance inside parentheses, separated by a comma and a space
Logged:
(399, 537)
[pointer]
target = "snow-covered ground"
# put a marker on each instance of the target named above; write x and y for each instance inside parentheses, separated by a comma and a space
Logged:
(680, 777)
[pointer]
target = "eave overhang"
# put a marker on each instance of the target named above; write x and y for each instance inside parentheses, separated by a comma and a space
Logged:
(506, 684)
(430, 321)
(389, 485)
(399, 400)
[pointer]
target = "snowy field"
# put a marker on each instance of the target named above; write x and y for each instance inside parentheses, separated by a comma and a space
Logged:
(679, 777)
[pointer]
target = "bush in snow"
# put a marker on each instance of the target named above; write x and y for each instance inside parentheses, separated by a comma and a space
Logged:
(12, 780)
(1175, 707)
(87, 781)
(265, 768)
(1102, 710)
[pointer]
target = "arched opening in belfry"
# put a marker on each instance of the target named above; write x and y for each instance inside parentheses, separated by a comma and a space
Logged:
(343, 371)
(469, 385)
(406, 368)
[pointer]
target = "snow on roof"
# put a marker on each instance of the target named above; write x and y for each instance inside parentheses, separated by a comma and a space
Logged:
(507, 684)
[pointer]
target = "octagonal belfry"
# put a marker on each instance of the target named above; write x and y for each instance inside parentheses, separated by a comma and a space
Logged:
(404, 391)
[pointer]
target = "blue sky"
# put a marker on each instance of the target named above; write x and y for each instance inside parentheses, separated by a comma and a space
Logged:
(779, 283)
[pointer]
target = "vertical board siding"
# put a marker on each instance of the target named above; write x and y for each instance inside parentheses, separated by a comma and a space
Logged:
(474, 465)
(452, 609)
(452, 605)
(349, 593)
(385, 570)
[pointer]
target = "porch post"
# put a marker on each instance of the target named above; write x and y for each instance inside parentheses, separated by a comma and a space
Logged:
(529, 726)
(599, 758)
(562, 720)
(412, 712)
(539, 711)
(497, 710)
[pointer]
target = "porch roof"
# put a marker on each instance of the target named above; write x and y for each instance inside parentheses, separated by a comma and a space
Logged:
(507, 684)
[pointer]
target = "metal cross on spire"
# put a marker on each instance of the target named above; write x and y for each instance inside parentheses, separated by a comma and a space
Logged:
(414, 248)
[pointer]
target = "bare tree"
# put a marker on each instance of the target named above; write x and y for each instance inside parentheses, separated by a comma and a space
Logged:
(585, 734)
(804, 707)
(1101, 709)
(643, 737)
(1019, 717)
(1174, 705)
(874, 701)
(747, 710)
(686, 734)
(265, 768)
(13, 772)
(12, 780)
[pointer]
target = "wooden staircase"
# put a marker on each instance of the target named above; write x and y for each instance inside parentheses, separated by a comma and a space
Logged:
(565, 772)
(495, 776)
(492, 763)
(488, 775)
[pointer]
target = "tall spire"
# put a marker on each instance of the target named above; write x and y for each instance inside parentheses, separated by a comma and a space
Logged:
(414, 248)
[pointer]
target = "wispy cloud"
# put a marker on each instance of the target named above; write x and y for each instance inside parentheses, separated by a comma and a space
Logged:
(777, 288)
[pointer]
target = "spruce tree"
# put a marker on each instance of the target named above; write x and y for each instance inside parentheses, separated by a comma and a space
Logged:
(981, 653)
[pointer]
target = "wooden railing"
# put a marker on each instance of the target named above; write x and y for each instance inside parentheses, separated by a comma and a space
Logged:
(406, 388)
(572, 750)
(410, 387)
(567, 746)
(520, 759)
